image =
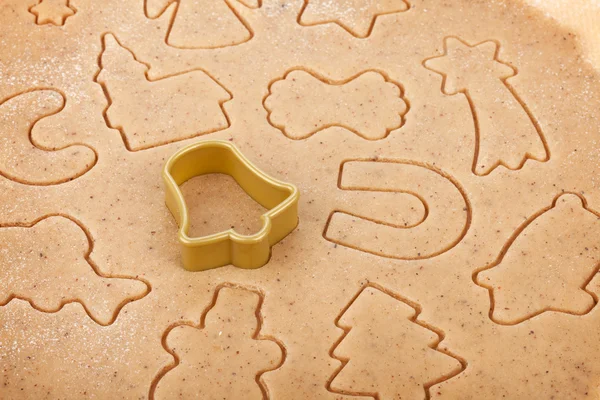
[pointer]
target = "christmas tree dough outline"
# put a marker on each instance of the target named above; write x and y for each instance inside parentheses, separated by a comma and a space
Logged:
(413, 311)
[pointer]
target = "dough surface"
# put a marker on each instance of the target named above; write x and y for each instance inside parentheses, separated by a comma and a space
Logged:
(447, 157)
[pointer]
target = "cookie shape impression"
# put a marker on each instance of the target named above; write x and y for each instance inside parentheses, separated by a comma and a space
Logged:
(367, 218)
(368, 104)
(226, 352)
(25, 161)
(506, 131)
(229, 247)
(48, 265)
(357, 17)
(203, 24)
(53, 12)
(389, 361)
(177, 107)
(547, 265)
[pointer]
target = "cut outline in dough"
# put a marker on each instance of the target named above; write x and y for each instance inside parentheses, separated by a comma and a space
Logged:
(507, 246)
(432, 168)
(257, 336)
(150, 80)
(44, 148)
(415, 319)
(336, 82)
(175, 8)
(64, 18)
(535, 123)
(92, 264)
(344, 27)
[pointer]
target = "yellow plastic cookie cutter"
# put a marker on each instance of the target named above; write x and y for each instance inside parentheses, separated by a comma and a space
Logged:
(229, 247)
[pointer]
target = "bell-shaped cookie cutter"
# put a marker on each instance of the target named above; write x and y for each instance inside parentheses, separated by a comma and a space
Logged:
(229, 247)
